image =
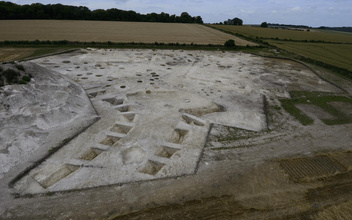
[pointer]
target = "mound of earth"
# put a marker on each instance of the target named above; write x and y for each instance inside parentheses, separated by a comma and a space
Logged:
(39, 115)
(13, 74)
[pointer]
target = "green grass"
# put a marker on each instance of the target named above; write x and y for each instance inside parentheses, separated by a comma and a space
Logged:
(284, 34)
(44, 51)
(289, 106)
(318, 99)
(305, 94)
(235, 134)
(329, 49)
(339, 55)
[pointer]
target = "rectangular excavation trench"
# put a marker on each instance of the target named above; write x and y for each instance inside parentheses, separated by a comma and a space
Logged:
(165, 151)
(121, 128)
(114, 101)
(151, 167)
(178, 136)
(91, 154)
(58, 175)
(191, 119)
(110, 140)
(306, 169)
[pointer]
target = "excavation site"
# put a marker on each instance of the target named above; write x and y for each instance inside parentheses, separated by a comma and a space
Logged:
(173, 134)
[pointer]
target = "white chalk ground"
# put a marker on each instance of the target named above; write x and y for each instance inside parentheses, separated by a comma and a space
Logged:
(40, 115)
(156, 108)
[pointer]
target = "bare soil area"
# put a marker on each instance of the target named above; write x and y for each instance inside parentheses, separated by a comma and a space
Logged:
(190, 134)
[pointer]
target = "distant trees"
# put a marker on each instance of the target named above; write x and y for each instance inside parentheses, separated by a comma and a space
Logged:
(230, 43)
(235, 21)
(9, 10)
(264, 25)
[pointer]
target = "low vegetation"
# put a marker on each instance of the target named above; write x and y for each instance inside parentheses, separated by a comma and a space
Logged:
(287, 34)
(11, 76)
(329, 49)
(334, 54)
(230, 43)
(319, 99)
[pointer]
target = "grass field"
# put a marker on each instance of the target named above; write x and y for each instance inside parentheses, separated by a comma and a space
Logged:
(269, 33)
(317, 99)
(335, 48)
(334, 54)
(19, 53)
(104, 31)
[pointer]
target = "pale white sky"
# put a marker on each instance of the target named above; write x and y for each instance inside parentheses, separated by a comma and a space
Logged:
(312, 13)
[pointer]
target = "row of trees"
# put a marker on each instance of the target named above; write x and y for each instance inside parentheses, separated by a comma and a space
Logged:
(235, 21)
(9, 10)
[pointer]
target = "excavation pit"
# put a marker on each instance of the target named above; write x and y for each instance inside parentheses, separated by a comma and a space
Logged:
(114, 101)
(164, 151)
(123, 108)
(110, 140)
(121, 128)
(151, 167)
(147, 132)
(178, 136)
(91, 154)
(55, 177)
(129, 117)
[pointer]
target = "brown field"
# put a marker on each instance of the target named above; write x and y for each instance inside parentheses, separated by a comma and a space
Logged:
(103, 31)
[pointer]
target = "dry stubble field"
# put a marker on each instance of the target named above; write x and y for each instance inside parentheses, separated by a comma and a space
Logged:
(103, 31)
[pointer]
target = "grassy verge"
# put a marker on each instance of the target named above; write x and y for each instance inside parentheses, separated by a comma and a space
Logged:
(109, 44)
(38, 52)
(339, 55)
(235, 134)
(21, 50)
(321, 100)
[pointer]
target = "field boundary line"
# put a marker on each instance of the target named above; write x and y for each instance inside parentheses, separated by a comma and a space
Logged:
(241, 36)
(49, 54)
(306, 65)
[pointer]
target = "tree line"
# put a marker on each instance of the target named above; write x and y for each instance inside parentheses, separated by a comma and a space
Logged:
(235, 21)
(9, 10)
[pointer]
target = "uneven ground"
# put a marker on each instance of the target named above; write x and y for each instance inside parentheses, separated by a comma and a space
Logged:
(87, 31)
(194, 134)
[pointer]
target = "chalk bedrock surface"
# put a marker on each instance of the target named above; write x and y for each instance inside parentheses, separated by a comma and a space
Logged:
(39, 115)
(156, 108)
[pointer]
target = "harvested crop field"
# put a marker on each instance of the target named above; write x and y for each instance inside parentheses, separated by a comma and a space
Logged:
(332, 36)
(103, 31)
(334, 54)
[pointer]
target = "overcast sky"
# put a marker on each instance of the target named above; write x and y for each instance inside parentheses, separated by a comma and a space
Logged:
(307, 12)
